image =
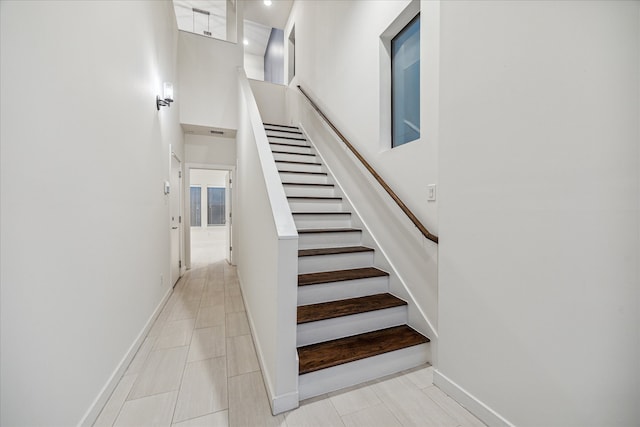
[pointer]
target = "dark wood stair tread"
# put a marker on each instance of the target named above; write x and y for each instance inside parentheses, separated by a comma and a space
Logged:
(344, 350)
(282, 126)
(339, 275)
(333, 251)
(289, 152)
(286, 137)
(284, 144)
(299, 163)
(321, 213)
(308, 184)
(314, 197)
(303, 172)
(283, 130)
(347, 307)
(327, 230)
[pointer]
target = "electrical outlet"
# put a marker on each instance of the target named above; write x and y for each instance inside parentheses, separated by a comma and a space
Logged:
(431, 192)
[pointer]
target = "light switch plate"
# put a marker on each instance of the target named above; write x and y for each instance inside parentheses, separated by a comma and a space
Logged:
(431, 192)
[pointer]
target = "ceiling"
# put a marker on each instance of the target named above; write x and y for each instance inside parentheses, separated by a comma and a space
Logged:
(259, 19)
(274, 16)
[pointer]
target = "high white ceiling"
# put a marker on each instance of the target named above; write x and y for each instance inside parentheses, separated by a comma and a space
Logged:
(274, 16)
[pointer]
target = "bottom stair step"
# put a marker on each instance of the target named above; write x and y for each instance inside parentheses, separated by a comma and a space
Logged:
(344, 350)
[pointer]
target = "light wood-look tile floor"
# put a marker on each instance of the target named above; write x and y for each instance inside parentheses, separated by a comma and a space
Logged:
(198, 367)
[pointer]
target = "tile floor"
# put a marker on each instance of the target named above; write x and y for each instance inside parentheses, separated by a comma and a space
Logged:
(198, 367)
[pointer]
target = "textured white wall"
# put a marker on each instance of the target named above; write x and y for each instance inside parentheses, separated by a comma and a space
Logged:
(539, 250)
(80, 130)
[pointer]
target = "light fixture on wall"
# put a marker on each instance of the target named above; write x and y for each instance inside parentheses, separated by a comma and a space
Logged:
(167, 96)
(267, 2)
(246, 42)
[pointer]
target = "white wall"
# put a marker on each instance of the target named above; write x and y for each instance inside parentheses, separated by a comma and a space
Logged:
(267, 253)
(210, 150)
(539, 249)
(338, 52)
(271, 101)
(208, 86)
(79, 128)
(254, 66)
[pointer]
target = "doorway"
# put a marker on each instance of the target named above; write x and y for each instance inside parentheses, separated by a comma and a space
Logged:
(210, 215)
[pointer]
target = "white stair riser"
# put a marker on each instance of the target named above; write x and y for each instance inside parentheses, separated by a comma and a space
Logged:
(285, 132)
(298, 167)
(332, 220)
(346, 326)
(287, 141)
(305, 205)
(333, 291)
(323, 240)
(316, 263)
(349, 374)
(309, 190)
(289, 148)
(302, 177)
(295, 157)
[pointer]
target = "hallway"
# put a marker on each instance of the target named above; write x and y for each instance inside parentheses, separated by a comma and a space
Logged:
(198, 367)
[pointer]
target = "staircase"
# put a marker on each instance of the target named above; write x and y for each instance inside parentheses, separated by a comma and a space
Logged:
(350, 328)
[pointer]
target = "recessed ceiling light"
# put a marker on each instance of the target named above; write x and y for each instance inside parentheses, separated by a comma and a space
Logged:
(267, 2)
(246, 42)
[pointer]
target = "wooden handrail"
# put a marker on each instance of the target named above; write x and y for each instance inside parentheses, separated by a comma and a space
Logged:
(373, 172)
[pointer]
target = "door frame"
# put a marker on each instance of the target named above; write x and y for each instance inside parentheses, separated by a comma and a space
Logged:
(230, 206)
(182, 267)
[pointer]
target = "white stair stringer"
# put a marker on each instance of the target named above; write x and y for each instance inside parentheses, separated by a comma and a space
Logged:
(349, 374)
(346, 326)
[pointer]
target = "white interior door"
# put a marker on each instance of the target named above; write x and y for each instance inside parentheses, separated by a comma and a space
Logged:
(175, 197)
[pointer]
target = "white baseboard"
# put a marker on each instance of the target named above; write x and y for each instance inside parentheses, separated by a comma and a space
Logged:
(281, 403)
(94, 410)
(470, 402)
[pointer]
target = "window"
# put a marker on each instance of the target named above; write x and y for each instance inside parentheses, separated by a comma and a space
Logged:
(195, 203)
(405, 84)
(215, 206)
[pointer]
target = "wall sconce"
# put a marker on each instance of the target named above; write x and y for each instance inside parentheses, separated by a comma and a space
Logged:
(167, 96)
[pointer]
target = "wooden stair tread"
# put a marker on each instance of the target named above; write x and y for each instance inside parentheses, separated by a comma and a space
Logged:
(339, 275)
(284, 144)
(321, 213)
(327, 230)
(286, 137)
(282, 126)
(303, 172)
(344, 350)
(299, 163)
(333, 251)
(347, 307)
(315, 197)
(283, 130)
(290, 152)
(308, 184)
